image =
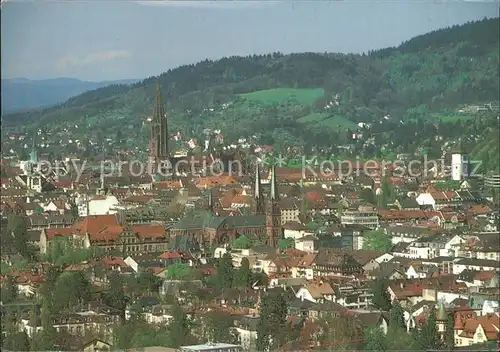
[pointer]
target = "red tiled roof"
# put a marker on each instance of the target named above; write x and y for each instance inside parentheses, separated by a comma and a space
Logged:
(93, 224)
(108, 262)
(170, 255)
(54, 232)
(107, 234)
(149, 231)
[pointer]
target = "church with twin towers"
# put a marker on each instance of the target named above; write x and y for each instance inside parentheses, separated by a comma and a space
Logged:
(267, 208)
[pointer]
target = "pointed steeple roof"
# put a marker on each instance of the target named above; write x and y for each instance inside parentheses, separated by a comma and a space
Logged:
(274, 188)
(159, 109)
(441, 314)
(258, 188)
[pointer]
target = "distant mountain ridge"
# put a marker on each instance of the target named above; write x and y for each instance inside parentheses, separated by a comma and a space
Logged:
(23, 94)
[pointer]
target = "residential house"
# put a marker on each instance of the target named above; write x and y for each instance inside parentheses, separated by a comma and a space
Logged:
(478, 330)
(421, 271)
(316, 292)
(434, 246)
(475, 264)
(305, 243)
(295, 230)
(336, 262)
(407, 204)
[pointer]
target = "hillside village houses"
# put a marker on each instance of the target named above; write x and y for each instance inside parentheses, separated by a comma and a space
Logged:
(307, 236)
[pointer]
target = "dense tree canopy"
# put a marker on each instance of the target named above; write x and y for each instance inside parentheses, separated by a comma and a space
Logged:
(377, 241)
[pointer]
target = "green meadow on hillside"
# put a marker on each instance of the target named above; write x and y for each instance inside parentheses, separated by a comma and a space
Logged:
(326, 120)
(304, 96)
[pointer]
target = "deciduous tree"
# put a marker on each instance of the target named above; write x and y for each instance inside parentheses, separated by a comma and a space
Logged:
(272, 328)
(397, 318)
(243, 275)
(377, 241)
(180, 327)
(242, 242)
(375, 340)
(381, 299)
(225, 272)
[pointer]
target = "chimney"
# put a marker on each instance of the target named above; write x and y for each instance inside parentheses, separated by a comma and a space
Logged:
(402, 285)
(302, 298)
(27, 200)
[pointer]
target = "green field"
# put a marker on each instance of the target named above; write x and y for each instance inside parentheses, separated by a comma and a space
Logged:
(316, 117)
(305, 96)
(337, 122)
(325, 120)
(449, 118)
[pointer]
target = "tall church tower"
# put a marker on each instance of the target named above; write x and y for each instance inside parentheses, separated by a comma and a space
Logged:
(158, 138)
(273, 213)
(259, 207)
(441, 320)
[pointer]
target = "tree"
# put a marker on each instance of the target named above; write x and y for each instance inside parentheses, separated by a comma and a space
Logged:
(400, 340)
(381, 299)
(148, 282)
(341, 332)
(242, 242)
(177, 271)
(46, 339)
(115, 297)
(272, 328)
(16, 225)
(377, 241)
(71, 289)
(368, 196)
(428, 336)
(63, 253)
(224, 272)
(219, 328)
(9, 290)
(18, 341)
(375, 340)
(243, 276)
(180, 327)
(397, 318)
(449, 335)
(285, 243)
(260, 279)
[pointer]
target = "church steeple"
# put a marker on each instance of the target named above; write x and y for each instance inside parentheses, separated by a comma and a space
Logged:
(257, 189)
(274, 195)
(259, 206)
(159, 129)
(273, 213)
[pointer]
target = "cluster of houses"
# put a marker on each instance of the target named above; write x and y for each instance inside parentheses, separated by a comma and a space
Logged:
(445, 245)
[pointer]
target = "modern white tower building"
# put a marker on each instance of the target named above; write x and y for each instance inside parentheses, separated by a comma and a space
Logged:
(459, 164)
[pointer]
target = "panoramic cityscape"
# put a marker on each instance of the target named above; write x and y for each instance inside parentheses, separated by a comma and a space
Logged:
(250, 176)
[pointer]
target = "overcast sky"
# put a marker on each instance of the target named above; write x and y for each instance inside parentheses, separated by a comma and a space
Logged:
(107, 40)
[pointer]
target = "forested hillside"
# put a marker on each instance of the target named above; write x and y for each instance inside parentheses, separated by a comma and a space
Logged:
(309, 98)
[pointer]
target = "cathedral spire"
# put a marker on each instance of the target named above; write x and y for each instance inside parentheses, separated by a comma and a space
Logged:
(273, 213)
(259, 205)
(258, 188)
(159, 128)
(274, 188)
